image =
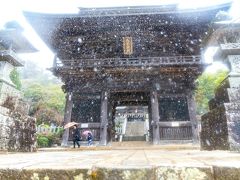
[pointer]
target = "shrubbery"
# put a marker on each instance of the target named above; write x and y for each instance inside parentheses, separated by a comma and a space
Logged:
(49, 139)
(206, 84)
(42, 141)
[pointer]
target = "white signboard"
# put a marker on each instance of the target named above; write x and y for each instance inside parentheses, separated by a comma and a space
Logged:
(84, 125)
(175, 124)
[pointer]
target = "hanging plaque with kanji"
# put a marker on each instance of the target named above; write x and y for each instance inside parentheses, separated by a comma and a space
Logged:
(127, 45)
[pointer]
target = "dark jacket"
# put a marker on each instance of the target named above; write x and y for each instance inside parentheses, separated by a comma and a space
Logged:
(76, 134)
(89, 137)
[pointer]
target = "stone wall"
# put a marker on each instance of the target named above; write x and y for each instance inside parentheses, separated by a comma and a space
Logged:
(5, 123)
(8, 90)
(5, 70)
(17, 131)
(22, 134)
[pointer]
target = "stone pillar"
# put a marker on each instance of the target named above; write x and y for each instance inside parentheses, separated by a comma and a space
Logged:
(155, 117)
(234, 62)
(67, 117)
(220, 126)
(193, 116)
(104, 118)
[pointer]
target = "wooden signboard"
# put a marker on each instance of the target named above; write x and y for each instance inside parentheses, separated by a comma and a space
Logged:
(127, 45)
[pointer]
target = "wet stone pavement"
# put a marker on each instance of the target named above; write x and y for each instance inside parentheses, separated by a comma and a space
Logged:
(121, 164)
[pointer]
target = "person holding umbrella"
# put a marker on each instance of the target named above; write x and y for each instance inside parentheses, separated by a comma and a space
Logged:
(76, 136)
(89, 138)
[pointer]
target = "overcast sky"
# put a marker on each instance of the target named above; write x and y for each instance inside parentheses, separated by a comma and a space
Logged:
(12, 10)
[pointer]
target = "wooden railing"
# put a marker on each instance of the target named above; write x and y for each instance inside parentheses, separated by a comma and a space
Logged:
(93, 127)
(119, 130)
(51, 129)
(128, 62)
(175, 133)
(175, 130)
(167, 131)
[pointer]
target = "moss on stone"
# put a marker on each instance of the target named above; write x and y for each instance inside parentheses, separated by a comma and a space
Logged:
(184, 173)
(223, 173)
(44, 174)
(125, 174)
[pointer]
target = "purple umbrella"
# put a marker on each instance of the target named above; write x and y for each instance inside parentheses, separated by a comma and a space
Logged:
(85, 133)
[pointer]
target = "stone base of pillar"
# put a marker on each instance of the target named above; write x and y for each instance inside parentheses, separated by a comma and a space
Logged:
(156, 135)
(103, 143)
(103, 137)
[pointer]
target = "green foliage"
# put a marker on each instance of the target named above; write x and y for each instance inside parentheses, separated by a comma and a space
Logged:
(48, 102)
(50, 95)
(42, 141)
(15, 78)
(207, 83)
(48, 139)
(60, 132)
(44, 91)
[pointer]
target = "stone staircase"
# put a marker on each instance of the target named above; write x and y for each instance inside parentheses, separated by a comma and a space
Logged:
(135, 131)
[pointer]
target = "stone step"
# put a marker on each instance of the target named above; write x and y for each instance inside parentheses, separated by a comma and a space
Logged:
(127, 145)
(131, 144)
(121, 165)
(134, 138)
(121, 173)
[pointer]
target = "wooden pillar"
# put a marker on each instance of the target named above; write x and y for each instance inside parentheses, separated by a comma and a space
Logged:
(111, 124)
(67, 117)
(155, 117)
(104, 118)
(193, 116)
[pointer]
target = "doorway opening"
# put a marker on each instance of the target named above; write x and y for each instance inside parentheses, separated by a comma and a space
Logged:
(131, 123)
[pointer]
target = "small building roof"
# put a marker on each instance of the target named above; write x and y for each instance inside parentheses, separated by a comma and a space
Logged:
(12, 37)
(11, 57)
